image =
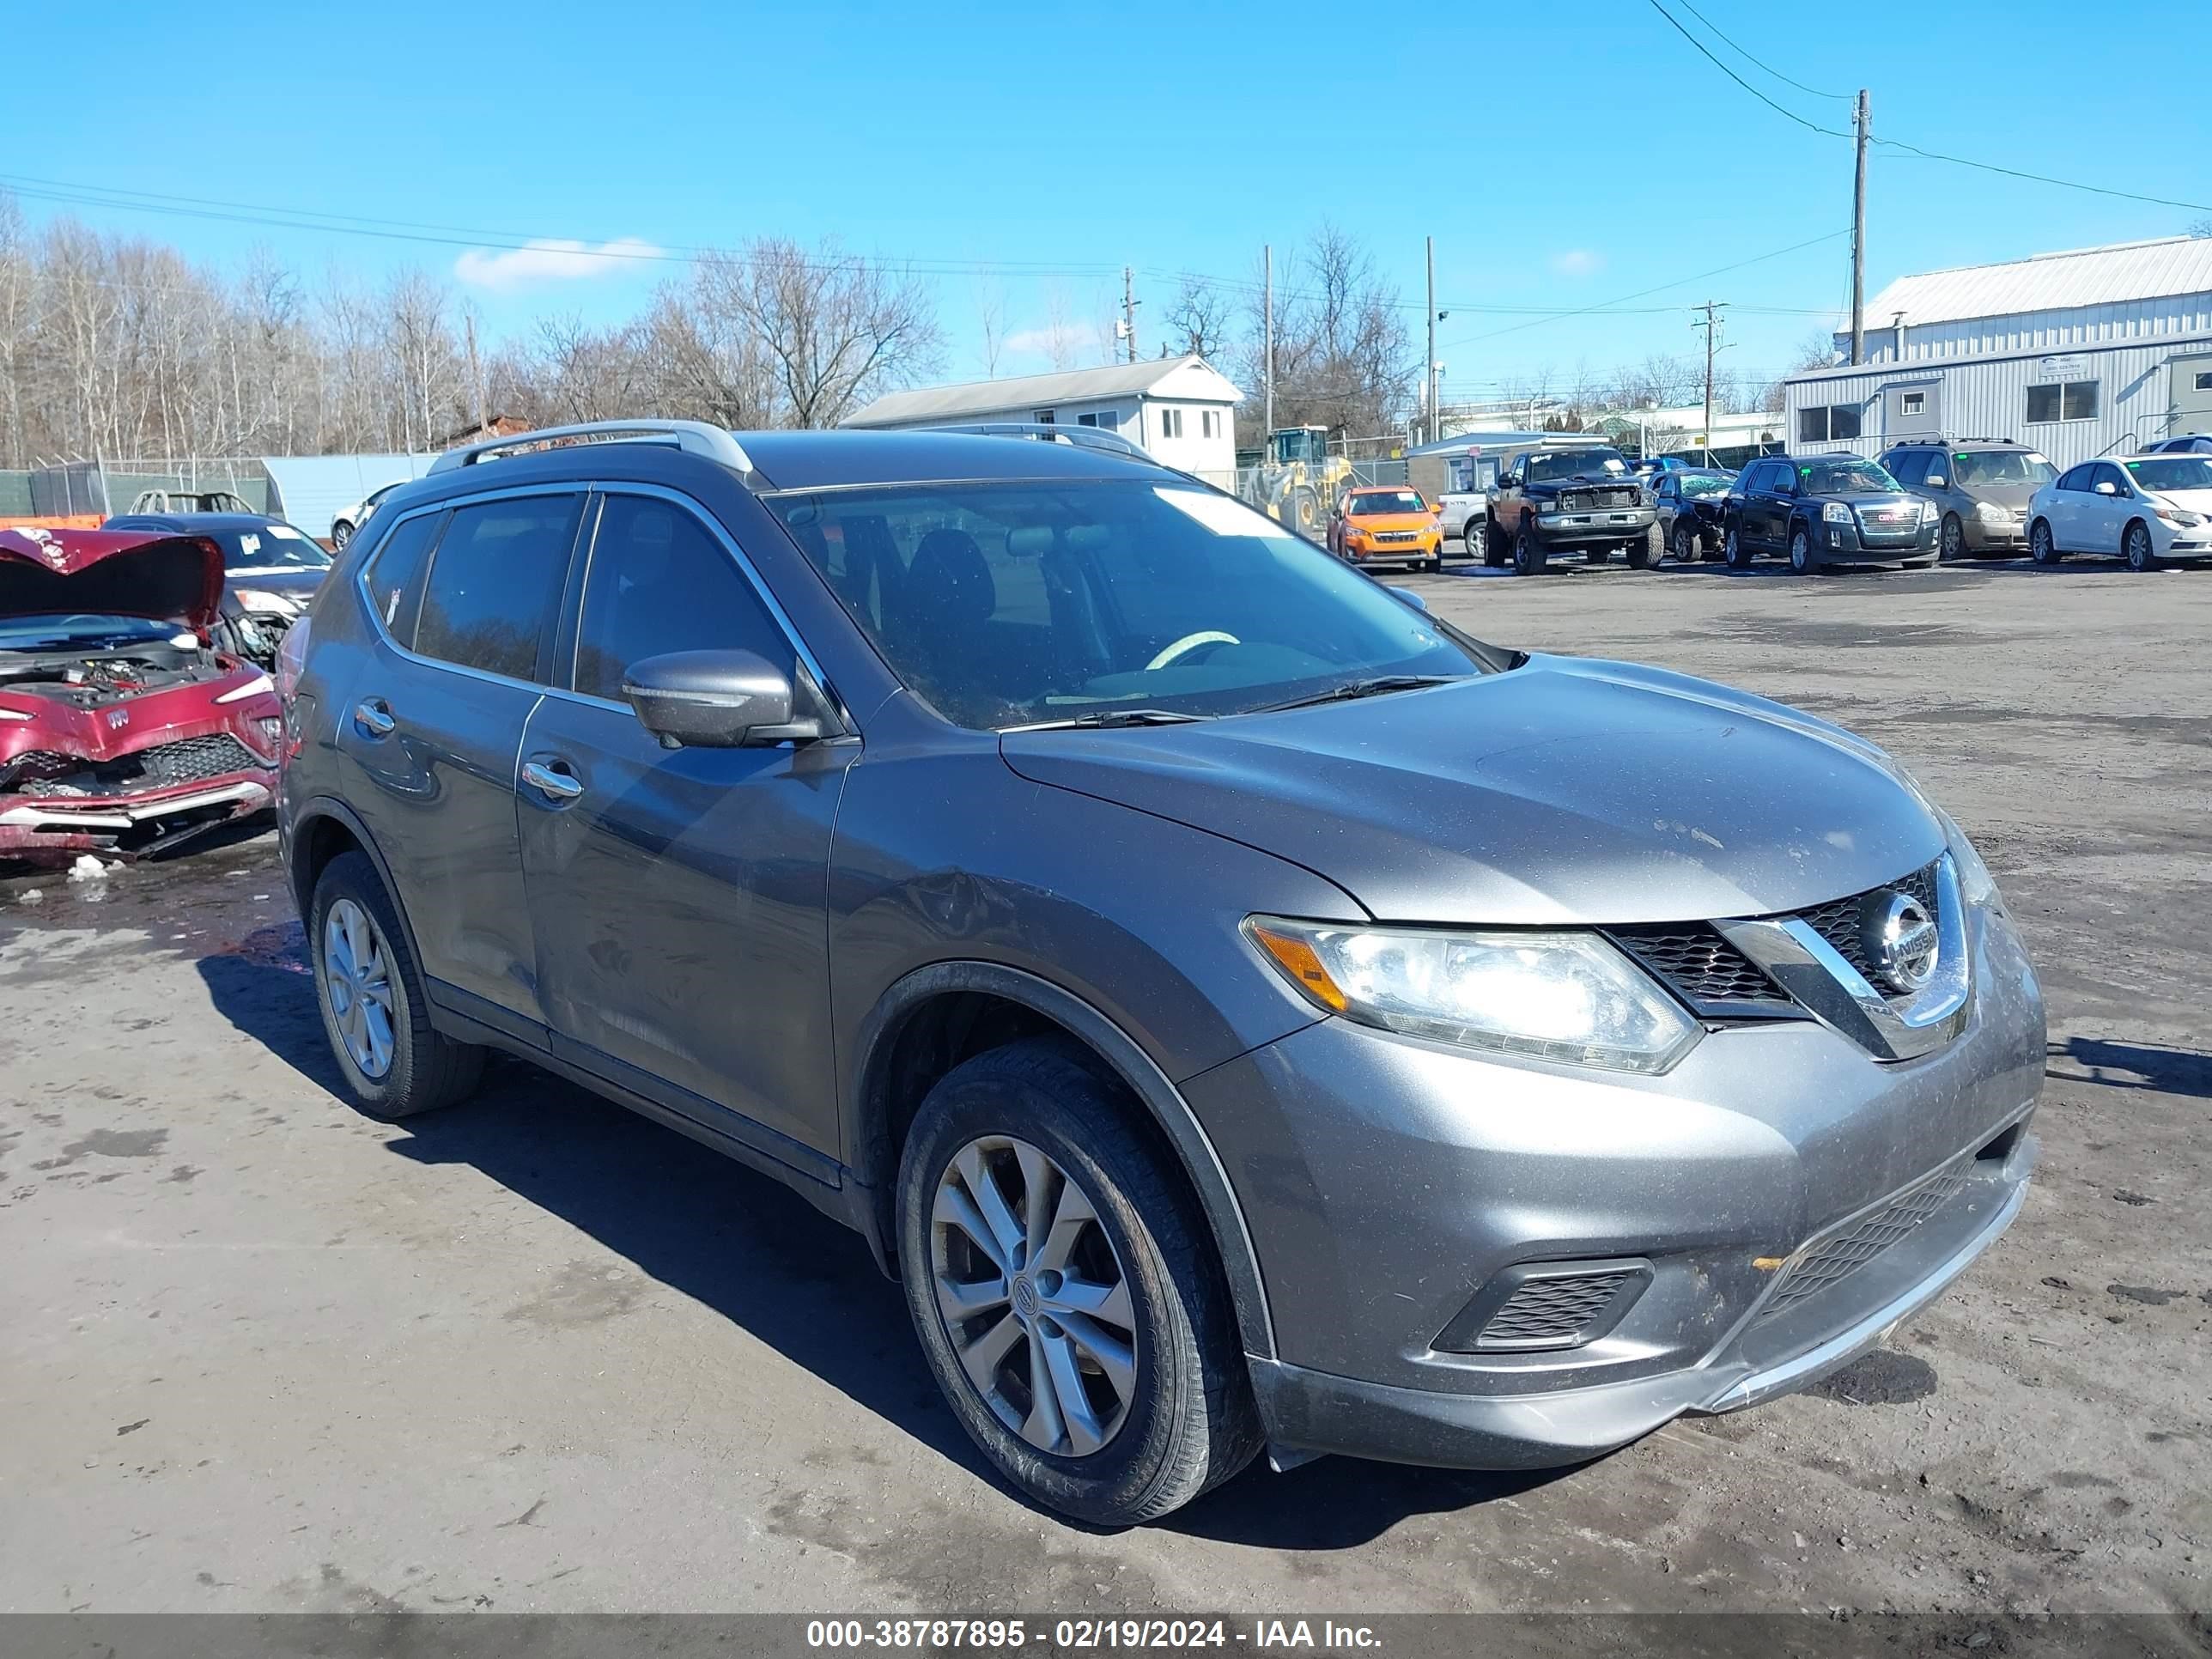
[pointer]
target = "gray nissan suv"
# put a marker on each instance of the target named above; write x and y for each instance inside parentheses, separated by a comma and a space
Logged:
(1243, 1009)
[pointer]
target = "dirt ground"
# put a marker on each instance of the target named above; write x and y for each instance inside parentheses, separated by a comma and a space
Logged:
(262, 1354)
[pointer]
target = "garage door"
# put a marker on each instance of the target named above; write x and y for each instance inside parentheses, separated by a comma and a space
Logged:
(2192, 394)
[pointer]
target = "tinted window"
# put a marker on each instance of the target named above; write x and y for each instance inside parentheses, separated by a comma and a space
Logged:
(395, 574)
(2074, 478)
(1908, 466)
(1012, 605)
(2106, 472)
(496, 581)
(660, 580)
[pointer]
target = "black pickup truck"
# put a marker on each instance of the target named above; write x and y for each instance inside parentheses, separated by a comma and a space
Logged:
(1550, 499)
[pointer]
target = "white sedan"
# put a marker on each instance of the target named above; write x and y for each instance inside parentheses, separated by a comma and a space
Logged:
(2146, 509)
(350, 519)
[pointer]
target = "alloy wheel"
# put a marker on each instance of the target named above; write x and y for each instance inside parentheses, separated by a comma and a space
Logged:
(1801, 550)
(2140, 555)
(1686, 545)
(1033, 1295)
(358, 980)
(1954, 538)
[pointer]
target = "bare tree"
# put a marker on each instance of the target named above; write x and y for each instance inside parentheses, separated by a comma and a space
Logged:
(838, 327)
(991, 312)
(1344, 354)
(1200, 321)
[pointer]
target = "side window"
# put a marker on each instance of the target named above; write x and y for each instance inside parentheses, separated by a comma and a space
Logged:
(660, 580)
(2075, 477)
(1908, 466)
(2107, 473)
(496, 582)
(395, 574)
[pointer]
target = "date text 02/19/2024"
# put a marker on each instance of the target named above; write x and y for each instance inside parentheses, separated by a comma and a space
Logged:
(1081, 1635)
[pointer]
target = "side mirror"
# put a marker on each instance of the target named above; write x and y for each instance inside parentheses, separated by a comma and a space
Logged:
(2106, 486)
(1936, 481)
(717, 700)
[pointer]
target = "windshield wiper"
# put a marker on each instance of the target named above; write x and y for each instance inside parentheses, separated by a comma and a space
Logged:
(1375, 687)
(1108, 717)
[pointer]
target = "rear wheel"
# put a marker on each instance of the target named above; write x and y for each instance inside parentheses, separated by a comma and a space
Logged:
(374, 1008)
(1737, 551)
(1530, 556)
(341, 533)
(1066, 1299)
(2136, 546)
(2042, 546)
(1601, 554)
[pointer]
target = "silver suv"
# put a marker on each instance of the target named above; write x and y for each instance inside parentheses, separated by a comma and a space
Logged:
(1243, 1009)
(1982, 486)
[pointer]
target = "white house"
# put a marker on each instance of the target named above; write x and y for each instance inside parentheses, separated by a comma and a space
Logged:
(2078, 354)
(1178, 408)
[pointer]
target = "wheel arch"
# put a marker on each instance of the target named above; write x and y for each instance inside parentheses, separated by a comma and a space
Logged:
(323, 830)
(883, 1093)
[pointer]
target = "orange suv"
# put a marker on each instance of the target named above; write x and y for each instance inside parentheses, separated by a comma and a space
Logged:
(1387, 523)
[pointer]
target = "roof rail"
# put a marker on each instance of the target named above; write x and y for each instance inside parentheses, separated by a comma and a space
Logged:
(715, 443)
(1091, 437)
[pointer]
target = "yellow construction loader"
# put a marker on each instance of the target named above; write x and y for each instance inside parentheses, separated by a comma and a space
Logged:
(1299, 480)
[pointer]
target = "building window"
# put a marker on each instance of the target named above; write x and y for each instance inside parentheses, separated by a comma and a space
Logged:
(1105, 419)
(1914, 403)
(1043, 418)
(1209, 423)
(2203, 380)
(1171, 423)
(2063, 400)
(1827, 421)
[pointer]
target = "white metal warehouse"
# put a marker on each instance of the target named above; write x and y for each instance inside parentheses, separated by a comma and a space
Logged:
(2081, 353)
(1179, 409)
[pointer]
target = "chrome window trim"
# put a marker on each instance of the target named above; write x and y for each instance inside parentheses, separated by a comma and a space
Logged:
(453, 503)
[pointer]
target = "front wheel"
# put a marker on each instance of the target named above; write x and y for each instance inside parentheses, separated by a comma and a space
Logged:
(1687, 546)
(1530, 556)
(1065, 1292)
(2136, 546)
(1953, 545)
(1802, 559)
(1645, 550)
(341, 533)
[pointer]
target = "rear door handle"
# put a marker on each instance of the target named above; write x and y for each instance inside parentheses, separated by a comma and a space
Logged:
(373, 716)
(553, 780)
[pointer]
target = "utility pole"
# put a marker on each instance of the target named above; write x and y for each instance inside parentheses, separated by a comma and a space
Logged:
(1860, 121)
(476, 375)
(1428, 375)
(1268, 349)
(1711, 323)
(1129, 311)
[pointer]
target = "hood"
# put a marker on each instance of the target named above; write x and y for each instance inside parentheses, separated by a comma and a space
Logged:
(294, 581)
(1390, 521)
(2004, 495)
(153, 574)
(1563, 792)
(2189, 500)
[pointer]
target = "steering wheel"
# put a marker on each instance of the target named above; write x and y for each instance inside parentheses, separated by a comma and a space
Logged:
(1190, 642)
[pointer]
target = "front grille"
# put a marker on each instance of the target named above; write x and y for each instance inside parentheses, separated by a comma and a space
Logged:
(1827, 1262)
(1545, 1311)
(1838, 921)
(1587, 500)
(1703, 968)
(1397, 535)
(163, 766)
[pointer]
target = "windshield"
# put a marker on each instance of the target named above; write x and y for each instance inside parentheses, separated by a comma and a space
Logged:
(2173, 472)
(1568, 463)
(1995, 466)
(1016, 604)
(1696, 485)
(1844, 478)
(63, 629)
(1385, 501)
(271, 547)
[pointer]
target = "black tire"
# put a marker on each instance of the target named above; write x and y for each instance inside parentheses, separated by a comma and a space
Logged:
(1305, 513)
(1496, 547)
(1646, 550)
(1191, 1422)
(341, 533)
(2137, 548)
(1689, 546)
(1803, 559)
(427, 1070)
(1530, 556)
(1951, 540)
(1737, 551)
(2042, 545)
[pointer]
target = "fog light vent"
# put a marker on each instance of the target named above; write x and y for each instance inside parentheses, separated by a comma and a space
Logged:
(1546, 1305)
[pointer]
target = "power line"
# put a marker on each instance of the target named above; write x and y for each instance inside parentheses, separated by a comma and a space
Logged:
(1791, 114)
(1840, 97)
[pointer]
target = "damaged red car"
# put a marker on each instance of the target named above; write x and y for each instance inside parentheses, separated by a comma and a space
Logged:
(122, 733)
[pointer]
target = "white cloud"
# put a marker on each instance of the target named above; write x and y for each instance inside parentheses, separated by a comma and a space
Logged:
(550, 261)
(1577, 262)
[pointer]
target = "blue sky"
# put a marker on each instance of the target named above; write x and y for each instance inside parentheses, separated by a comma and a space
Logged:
(1562, 157)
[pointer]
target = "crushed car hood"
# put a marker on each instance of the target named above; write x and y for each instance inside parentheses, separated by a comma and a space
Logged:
(156, 574)
(1563, 792)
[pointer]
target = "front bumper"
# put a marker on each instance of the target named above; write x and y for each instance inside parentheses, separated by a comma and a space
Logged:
(1852, 542)
(1386, 1182)
(1421, 550)
(54, 829)
(1616, 524)
(1984, 538)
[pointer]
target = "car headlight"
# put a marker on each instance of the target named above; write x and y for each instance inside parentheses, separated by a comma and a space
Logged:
(1558, 996)
(2174, 515)
(1836, 513)
(259, 602)
(1990, 512)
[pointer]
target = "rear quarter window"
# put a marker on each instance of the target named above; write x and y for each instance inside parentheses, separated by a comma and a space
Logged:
(394, 576)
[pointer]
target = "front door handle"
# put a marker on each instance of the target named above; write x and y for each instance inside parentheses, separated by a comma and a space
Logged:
(552, 780)
(373, 718)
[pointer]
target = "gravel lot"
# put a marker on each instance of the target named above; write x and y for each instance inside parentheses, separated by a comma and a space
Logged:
(264, 1354)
